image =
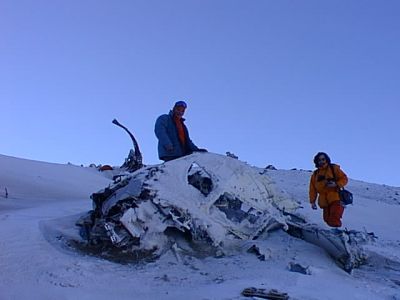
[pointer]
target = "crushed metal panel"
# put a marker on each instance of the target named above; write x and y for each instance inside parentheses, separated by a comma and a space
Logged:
(200, 179)
(343, 246)
(209, 198)
(132, 189)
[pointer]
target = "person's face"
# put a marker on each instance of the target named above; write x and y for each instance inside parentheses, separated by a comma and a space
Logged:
(322, 161)
(179, 111)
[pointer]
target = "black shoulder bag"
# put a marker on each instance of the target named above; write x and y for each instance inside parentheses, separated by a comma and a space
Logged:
(346, 197)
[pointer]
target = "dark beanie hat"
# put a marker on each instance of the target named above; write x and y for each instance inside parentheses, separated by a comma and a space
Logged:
(180, 103)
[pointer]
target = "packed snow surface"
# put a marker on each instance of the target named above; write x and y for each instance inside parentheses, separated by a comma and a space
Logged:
(38, 200)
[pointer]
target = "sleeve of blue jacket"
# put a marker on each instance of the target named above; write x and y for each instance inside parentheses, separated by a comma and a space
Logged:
(160, 130)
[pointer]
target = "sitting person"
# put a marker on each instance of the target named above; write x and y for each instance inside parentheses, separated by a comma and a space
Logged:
(172, 134)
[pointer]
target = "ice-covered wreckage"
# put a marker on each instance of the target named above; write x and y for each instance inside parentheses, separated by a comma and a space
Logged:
(209, 201)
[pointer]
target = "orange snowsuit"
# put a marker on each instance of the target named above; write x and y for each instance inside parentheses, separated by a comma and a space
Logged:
(328, 197)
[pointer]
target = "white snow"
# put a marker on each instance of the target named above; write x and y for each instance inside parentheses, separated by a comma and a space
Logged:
(45, 198)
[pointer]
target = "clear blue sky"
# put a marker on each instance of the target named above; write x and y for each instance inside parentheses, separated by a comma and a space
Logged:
(272, 81)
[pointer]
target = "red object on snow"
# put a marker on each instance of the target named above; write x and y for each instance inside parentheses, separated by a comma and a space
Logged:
(106, 168)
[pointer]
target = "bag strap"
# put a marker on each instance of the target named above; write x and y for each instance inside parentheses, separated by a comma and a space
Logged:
(334, 176)
(333, 171)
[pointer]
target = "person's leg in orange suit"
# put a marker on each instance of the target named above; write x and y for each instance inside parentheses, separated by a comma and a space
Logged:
(333, 214)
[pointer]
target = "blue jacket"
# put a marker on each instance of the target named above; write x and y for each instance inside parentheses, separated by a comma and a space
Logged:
(167, 134)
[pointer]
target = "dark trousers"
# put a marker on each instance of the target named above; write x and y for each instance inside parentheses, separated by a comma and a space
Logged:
(333, 213)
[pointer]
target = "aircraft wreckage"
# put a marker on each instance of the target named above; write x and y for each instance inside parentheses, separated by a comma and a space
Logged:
(205, 204)
(202, 204)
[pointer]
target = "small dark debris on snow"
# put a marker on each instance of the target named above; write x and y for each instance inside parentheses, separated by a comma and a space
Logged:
(270, 167)
(229, 154)
(295, 267)
(263, 293)
(219, 279)
(256, 250)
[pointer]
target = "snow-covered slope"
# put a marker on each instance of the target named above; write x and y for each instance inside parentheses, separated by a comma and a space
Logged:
(35, 265)
(28, 180)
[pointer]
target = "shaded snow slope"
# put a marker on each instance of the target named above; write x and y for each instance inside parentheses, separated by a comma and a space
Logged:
(35, 264)
(28, 180)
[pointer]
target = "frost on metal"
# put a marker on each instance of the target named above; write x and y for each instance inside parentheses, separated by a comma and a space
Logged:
(202, 203)
(205, 197)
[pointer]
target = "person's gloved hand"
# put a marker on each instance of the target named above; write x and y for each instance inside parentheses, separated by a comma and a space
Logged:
(331, 184)
(313, 206)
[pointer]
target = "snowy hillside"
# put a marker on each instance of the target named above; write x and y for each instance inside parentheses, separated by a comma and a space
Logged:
(44, 199)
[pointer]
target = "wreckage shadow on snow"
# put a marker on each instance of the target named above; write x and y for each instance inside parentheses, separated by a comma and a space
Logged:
(64, 236)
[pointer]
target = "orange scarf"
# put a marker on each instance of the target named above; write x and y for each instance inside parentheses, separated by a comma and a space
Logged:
(181, 131)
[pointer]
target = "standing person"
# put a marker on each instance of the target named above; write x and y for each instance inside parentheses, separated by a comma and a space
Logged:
(325, 182)
(173, 135)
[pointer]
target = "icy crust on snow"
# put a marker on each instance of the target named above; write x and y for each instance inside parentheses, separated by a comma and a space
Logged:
(213, 197)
